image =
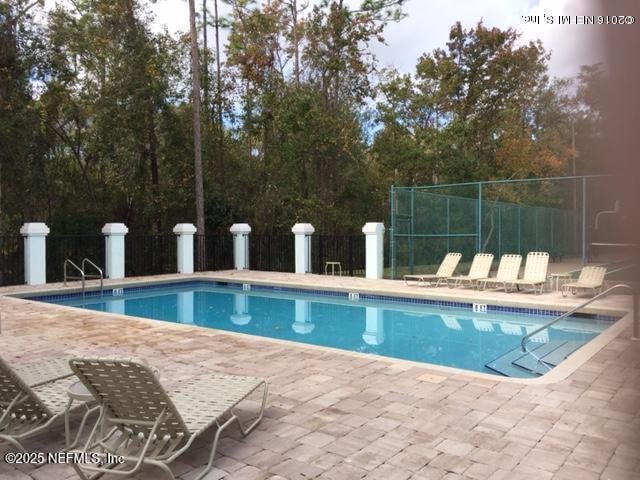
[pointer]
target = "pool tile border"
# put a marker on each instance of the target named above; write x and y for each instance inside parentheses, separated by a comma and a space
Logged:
(307, 291)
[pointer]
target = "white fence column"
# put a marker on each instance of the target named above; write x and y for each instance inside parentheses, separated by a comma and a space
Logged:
(114, 249)
(374, 248)
(303, 232)
(240, 233)
(185, 232)
(35, 253)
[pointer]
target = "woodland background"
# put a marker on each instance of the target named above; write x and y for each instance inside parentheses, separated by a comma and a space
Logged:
(299, 123)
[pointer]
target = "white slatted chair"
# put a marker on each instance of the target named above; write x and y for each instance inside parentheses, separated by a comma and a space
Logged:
(479, 269)
(508, 270)
(535, 272)
(147, 425)
(43, 371)
(591, 278)
(30, 404)
(446, 269)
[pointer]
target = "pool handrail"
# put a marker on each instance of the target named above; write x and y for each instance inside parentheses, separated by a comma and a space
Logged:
(636, 329)
(83, 276)
(69, 277)
(100, 273)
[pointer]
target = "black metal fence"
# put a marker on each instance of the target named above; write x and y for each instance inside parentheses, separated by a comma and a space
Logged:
(150, 254)
(156, 254)
(11, 260)
(349, 250)
(213, 252)
(272, 252)
(74, 248)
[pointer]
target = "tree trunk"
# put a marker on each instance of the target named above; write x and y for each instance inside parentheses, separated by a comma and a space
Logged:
(197, 142)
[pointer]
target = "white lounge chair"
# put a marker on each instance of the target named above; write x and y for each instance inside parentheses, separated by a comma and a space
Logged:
(446, 269)
(479, 269)
(31, 404)
(43, 371)
(147, 425)
(508, 271)
(535, 272)
(591, 278)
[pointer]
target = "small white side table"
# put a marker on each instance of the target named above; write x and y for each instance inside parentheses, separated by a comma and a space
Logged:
(77, 392)
(557, 277)
(333, 268)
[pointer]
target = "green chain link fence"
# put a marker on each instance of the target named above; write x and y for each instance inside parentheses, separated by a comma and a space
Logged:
(506, 216)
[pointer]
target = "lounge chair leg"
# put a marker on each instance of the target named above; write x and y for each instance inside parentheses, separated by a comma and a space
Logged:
(13, 442)
(162, 466)
(247, 430)
(79, 471)
(67, 429)
(215, 446)
(80, 428)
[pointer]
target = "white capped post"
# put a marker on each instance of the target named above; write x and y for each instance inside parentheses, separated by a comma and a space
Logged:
(35, 252)
(303, 232)
(185, 232)
(240, 233)
(114, 249)
(374, 248)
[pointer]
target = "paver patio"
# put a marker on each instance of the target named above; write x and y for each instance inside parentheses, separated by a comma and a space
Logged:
(335, 415)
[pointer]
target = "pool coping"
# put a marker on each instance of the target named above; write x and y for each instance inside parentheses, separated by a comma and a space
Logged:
(429, 294)
(339, 294)
(557, 374)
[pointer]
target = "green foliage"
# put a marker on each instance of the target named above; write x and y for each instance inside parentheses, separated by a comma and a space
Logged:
(95, 117)
(484, 108)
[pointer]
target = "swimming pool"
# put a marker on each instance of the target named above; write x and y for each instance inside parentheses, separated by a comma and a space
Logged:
(442, 333)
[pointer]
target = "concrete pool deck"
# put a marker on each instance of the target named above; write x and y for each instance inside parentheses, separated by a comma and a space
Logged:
(337, 415)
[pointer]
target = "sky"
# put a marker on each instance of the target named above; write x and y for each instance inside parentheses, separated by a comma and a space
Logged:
(427, 25)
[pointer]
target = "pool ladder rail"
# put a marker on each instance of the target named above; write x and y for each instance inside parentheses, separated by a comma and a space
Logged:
(528, 362)
(82, 275)
(636, 329)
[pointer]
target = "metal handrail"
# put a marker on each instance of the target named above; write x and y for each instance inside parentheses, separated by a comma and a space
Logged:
(83, 276)
(606, 265)
(523, 343)
(100, 276)
(69, 277)
(620, 269)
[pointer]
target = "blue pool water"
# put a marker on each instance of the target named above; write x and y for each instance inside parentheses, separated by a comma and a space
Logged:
(443, 335)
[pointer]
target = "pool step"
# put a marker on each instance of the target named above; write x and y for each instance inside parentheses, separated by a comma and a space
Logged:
(524, 365)
(504, 365)
(562, 352)
(531, 363)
